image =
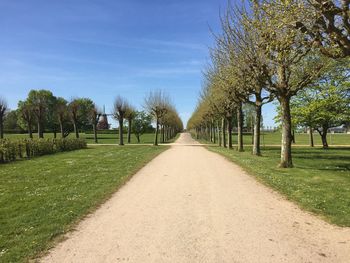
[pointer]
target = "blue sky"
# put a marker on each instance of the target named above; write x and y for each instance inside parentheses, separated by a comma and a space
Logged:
(100, 49)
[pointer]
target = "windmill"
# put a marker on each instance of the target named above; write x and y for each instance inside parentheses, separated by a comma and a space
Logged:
(103, 122)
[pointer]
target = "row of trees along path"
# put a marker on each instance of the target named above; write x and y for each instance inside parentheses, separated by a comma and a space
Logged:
(44, 111)
(274, 50)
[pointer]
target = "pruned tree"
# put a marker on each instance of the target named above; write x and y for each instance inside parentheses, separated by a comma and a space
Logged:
(3, 110)
(73, 110)
(79, 110)
(156, 103)
(240, 40)
(62, 115)
(42, 102)
(292, 65)
(119, 111)
(130, 115)
(94, 116)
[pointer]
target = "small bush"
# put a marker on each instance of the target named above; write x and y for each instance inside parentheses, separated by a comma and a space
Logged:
(11, 150)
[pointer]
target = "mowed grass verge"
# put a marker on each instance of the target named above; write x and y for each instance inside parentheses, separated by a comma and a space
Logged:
(147, 138)
(319, 182)
(42, 198)
(301, 139)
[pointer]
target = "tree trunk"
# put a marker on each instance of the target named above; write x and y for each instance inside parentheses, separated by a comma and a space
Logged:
(311, 137)
(163, 134)
(240, 129)
(229, 125)
(286, 147)
(129, 130)
(40, 131)
(75, 129)
(138, 138)
(30, 132)
(94, 127)
(256, 132)
(253, 127)
(324, 137)
(223, 128)
(121, 139)
(61, 130)
(293, 136)
(219, 133)
(214, 132)
(156, 135)
(55, 134)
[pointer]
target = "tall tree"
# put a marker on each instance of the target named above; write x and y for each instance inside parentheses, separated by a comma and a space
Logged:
(130, 115)
(62, 115)
(156, 103)
(94, 116)
(41, 102)
(292, 66)
(120, 108)
(79, 110)
(73, 109)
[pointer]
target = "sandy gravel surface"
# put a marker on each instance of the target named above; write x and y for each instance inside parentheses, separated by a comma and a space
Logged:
(192, 205)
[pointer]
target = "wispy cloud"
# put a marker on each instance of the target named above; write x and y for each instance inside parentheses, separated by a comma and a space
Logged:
(154, 45)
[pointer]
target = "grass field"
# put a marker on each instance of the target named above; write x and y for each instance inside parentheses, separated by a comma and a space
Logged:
(147, 138)
(43, 197)
(320, 181)
(274, 138)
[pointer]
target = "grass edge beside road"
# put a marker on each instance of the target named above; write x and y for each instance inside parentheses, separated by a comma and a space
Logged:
(321, 187)
(111, 184)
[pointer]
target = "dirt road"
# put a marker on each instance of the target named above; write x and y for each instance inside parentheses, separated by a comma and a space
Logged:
(192, 205)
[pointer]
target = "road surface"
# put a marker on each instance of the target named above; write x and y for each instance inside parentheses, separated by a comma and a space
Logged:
(192, 205)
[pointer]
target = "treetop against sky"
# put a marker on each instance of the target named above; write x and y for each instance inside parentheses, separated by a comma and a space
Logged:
(100, 49)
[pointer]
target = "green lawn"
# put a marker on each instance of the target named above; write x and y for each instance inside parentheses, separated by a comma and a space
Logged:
(147, 138)
(274, 138)
(320, 181)
(43, 197)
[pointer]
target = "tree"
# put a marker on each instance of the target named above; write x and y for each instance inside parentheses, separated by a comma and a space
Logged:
(141, 124)
(62, 115)
(324, 106)
(11, 122)
(3, 110)
(94, 116)
(130, 115)
(26, 114)
(73, 109)
(241, 40)
(120, 108)
(292, 65)
(157, 105)
(79, 110)
(42, 102)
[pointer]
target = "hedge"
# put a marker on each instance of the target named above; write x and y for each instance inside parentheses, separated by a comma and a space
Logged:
(11, 150)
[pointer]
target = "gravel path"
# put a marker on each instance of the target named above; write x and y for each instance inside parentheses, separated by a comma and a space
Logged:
(192, 205)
